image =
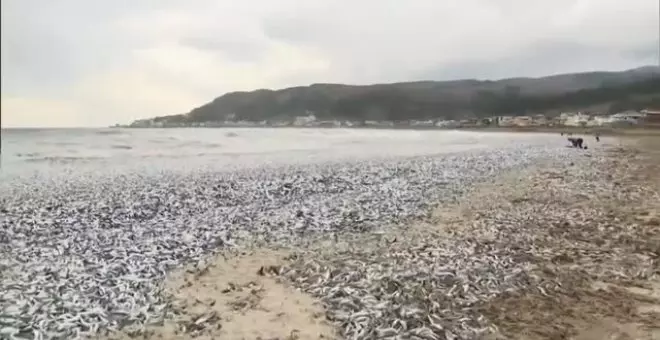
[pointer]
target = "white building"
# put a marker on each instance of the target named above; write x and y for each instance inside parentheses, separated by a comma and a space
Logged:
(377, 123)
(523, 121)
(447, 124)
(421, 123)
(304, 120)
(578, 119)
(600, 121)
(630, 117)
(506, 121)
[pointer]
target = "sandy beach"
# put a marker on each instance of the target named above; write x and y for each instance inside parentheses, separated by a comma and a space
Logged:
(587, 230)
(527, 239)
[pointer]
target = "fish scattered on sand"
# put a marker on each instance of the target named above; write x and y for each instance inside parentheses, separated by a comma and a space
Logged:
(81, 256)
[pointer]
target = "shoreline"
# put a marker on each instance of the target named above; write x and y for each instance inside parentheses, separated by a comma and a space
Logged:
(642, 131)
(649, 131)
(587, 258)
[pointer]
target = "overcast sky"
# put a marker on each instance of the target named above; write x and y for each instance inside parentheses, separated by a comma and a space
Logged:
(95, 63)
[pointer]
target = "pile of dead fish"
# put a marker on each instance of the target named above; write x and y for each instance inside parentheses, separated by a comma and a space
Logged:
(431, 284)
(420, 287)
(85, 255)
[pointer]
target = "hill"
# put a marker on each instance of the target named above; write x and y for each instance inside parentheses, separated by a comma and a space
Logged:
(608, 91)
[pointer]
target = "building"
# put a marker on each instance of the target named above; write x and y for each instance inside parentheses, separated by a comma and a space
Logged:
(628, 117)
(304, 120)
(555, 121)
(422, 123)
(505, 121)
(378, 123)
(523, 121)
(468, 122)
(540, 120)
(601, 121)
(577, 119)
(447, 124)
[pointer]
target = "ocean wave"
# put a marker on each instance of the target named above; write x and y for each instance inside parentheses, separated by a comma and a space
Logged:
(110, 132)
(62, 159)
(28, 155)
(120, 146)
(59, 143)
(352, 142)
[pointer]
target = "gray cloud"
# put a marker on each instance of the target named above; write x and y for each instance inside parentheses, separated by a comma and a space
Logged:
(128, 59)
(548, 58)
(648, 53)
(375, 41)
(50, 44)
(233, 49)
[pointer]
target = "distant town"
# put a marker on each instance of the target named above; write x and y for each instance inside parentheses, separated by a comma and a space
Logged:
(630, 118)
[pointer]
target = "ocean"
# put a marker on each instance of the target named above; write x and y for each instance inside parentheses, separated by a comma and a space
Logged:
(27, 152)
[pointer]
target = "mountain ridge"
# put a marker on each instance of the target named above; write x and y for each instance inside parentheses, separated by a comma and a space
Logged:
(451, 99)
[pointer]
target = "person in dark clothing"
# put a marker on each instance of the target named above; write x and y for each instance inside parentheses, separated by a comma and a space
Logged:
(573, 141)
(597, 138)
(576, 142)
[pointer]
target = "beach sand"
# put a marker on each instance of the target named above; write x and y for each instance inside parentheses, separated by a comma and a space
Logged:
(240, 296)
(587, 308)
(240, 303)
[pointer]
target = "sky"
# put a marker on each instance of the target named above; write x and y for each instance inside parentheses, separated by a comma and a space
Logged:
(72, 63)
